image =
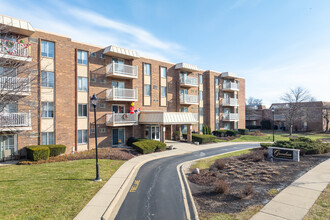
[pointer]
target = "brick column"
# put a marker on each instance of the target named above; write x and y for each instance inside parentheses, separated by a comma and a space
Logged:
(189, 133)
(162, 133)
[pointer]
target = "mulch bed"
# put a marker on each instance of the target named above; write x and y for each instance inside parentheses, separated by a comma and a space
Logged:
(242, 171)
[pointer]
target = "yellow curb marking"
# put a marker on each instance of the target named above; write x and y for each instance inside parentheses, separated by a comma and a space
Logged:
(135, 186)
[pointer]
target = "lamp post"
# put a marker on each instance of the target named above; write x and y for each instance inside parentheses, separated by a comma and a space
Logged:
(273, 111)
(94, 102)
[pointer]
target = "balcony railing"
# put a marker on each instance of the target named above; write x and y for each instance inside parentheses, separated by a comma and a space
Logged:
(122, 70)
(279, 117)
(230, 86)
(189, 99)
(13, 49)
(196, 115)
(122, 119)
(119, 94)
(251, 117)
(189, 81)
(230, 117)
(15, 85)
(15, 120)
(230, 102)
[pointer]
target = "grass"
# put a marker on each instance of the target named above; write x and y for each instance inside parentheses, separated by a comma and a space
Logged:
(206, 163)
(246, 214)
(320, 209)
(51, 190)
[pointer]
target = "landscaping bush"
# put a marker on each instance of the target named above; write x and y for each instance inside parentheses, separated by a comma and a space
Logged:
(253, 127)
(36, 153)
(266, 145)
(221, 186)
(209, 130)
(220, 164)
(306, 145)
(146, 146)
(231, 132)
(257, 156)
(245, 191)
(220, 133)
(130, 141)
(204, 129)
(243, 131)
(55, 150)
(203, 139)
(265, 124)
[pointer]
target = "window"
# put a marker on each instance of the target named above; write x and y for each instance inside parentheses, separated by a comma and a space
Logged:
(216, 81)
(82, 110)
(201, 128)
(82, 57)
(8, 71)
(201, 95)
(47, 138)
(217, 111)
(102, 105)
(93, 54)
(184, 109)
(217, 127)
(163, 72)
(200, 76)
(47, 49)
(146, 90)
(47, 79)
(82, 84)
(217, 95)
(163, 91)
(146, 69)
(102, 56)
(82, 136)
(47, 109)
(102, 130)
(201, 111)
(92, 130)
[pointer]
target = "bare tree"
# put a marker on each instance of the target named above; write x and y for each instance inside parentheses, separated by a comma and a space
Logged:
(294, 98)
(253, 101)
(326, 117)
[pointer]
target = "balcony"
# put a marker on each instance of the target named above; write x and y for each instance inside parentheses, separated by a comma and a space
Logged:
(252, 117)
(230, 102)
(230, 86)
(119, 94)
(189, 99)
(15, 121)
(189, 81)
(122, 71)
(14, 50)
(196, 115)
(15, 86)
(121, 119)
(230, 117)
(279, 117)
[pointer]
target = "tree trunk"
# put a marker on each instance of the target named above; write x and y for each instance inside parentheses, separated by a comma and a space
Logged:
(291, 126)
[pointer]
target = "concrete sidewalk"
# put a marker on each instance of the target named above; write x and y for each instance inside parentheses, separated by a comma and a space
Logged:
(295, 201)
(111, 194)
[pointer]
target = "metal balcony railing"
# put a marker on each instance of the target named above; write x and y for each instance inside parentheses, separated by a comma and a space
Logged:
(188, 99)
(230, 86)
(230, 117)
(189, 81)
(119, 94)
(122, 70)
(14, 48)
(15, 85)
(116, 119)
(230, 102)
(15, 120)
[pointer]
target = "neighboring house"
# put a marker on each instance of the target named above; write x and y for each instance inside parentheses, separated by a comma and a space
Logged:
(310, 117)
(254, 115)
(171, 97)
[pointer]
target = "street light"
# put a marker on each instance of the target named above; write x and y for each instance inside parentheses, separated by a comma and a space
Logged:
(94, 102)
(273, 111)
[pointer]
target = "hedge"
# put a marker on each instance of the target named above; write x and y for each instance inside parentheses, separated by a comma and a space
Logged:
(146, 146)
(203, 139)
(253, 127)
(243, 131)
(231, 132)
(220, 133)
(130, 141)
(56, 150)
(36, 153)
(266, 145)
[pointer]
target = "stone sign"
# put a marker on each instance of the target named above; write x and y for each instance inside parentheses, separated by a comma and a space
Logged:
(284, 153)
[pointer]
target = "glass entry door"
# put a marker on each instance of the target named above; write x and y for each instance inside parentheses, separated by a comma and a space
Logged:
(118, 136)
(8, 146)
(153, 132)
(119, 64)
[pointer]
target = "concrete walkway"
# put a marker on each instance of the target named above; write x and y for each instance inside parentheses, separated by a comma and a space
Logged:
(7, 163)
(107, 201)
(295, 201)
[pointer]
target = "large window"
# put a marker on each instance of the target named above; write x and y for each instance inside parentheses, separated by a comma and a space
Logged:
(47, 109)
(47, 49)
(146, 69)
(201, 111)
(47, 79)
(82, 83)
(201, 95)
(163, 72)
(82, 110)
(82, 57)
(146, 90)
(163, 91)
(82, 136)
(217, 111)
(47, 138)
(216, 81)
(200, 76)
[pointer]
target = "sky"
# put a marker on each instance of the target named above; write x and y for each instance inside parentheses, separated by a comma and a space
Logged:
(274, 44)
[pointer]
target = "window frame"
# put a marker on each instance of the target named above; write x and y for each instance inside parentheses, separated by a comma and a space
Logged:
(200, 78)
(81, 56)
(144, 69)
(48, 84)
(165, 92)
(84, 136)
(161, 72)
(46, 45)
(80, 84)
(47, 138)
(82, 108)
(200, 95)
(145, 91)
(49, 109)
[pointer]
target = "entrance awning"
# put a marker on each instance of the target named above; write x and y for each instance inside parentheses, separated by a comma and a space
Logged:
(168, 118)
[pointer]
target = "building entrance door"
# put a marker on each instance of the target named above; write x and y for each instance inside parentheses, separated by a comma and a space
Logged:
(8, 146)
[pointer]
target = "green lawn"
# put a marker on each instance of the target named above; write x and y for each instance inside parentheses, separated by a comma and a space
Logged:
(206, 163)
(51, 190)
(321, 208)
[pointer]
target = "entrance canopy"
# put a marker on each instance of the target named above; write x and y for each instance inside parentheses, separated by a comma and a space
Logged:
(168, 118)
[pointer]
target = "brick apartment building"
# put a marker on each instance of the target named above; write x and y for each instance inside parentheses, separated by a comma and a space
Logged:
(310, 117)
(55, 107)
